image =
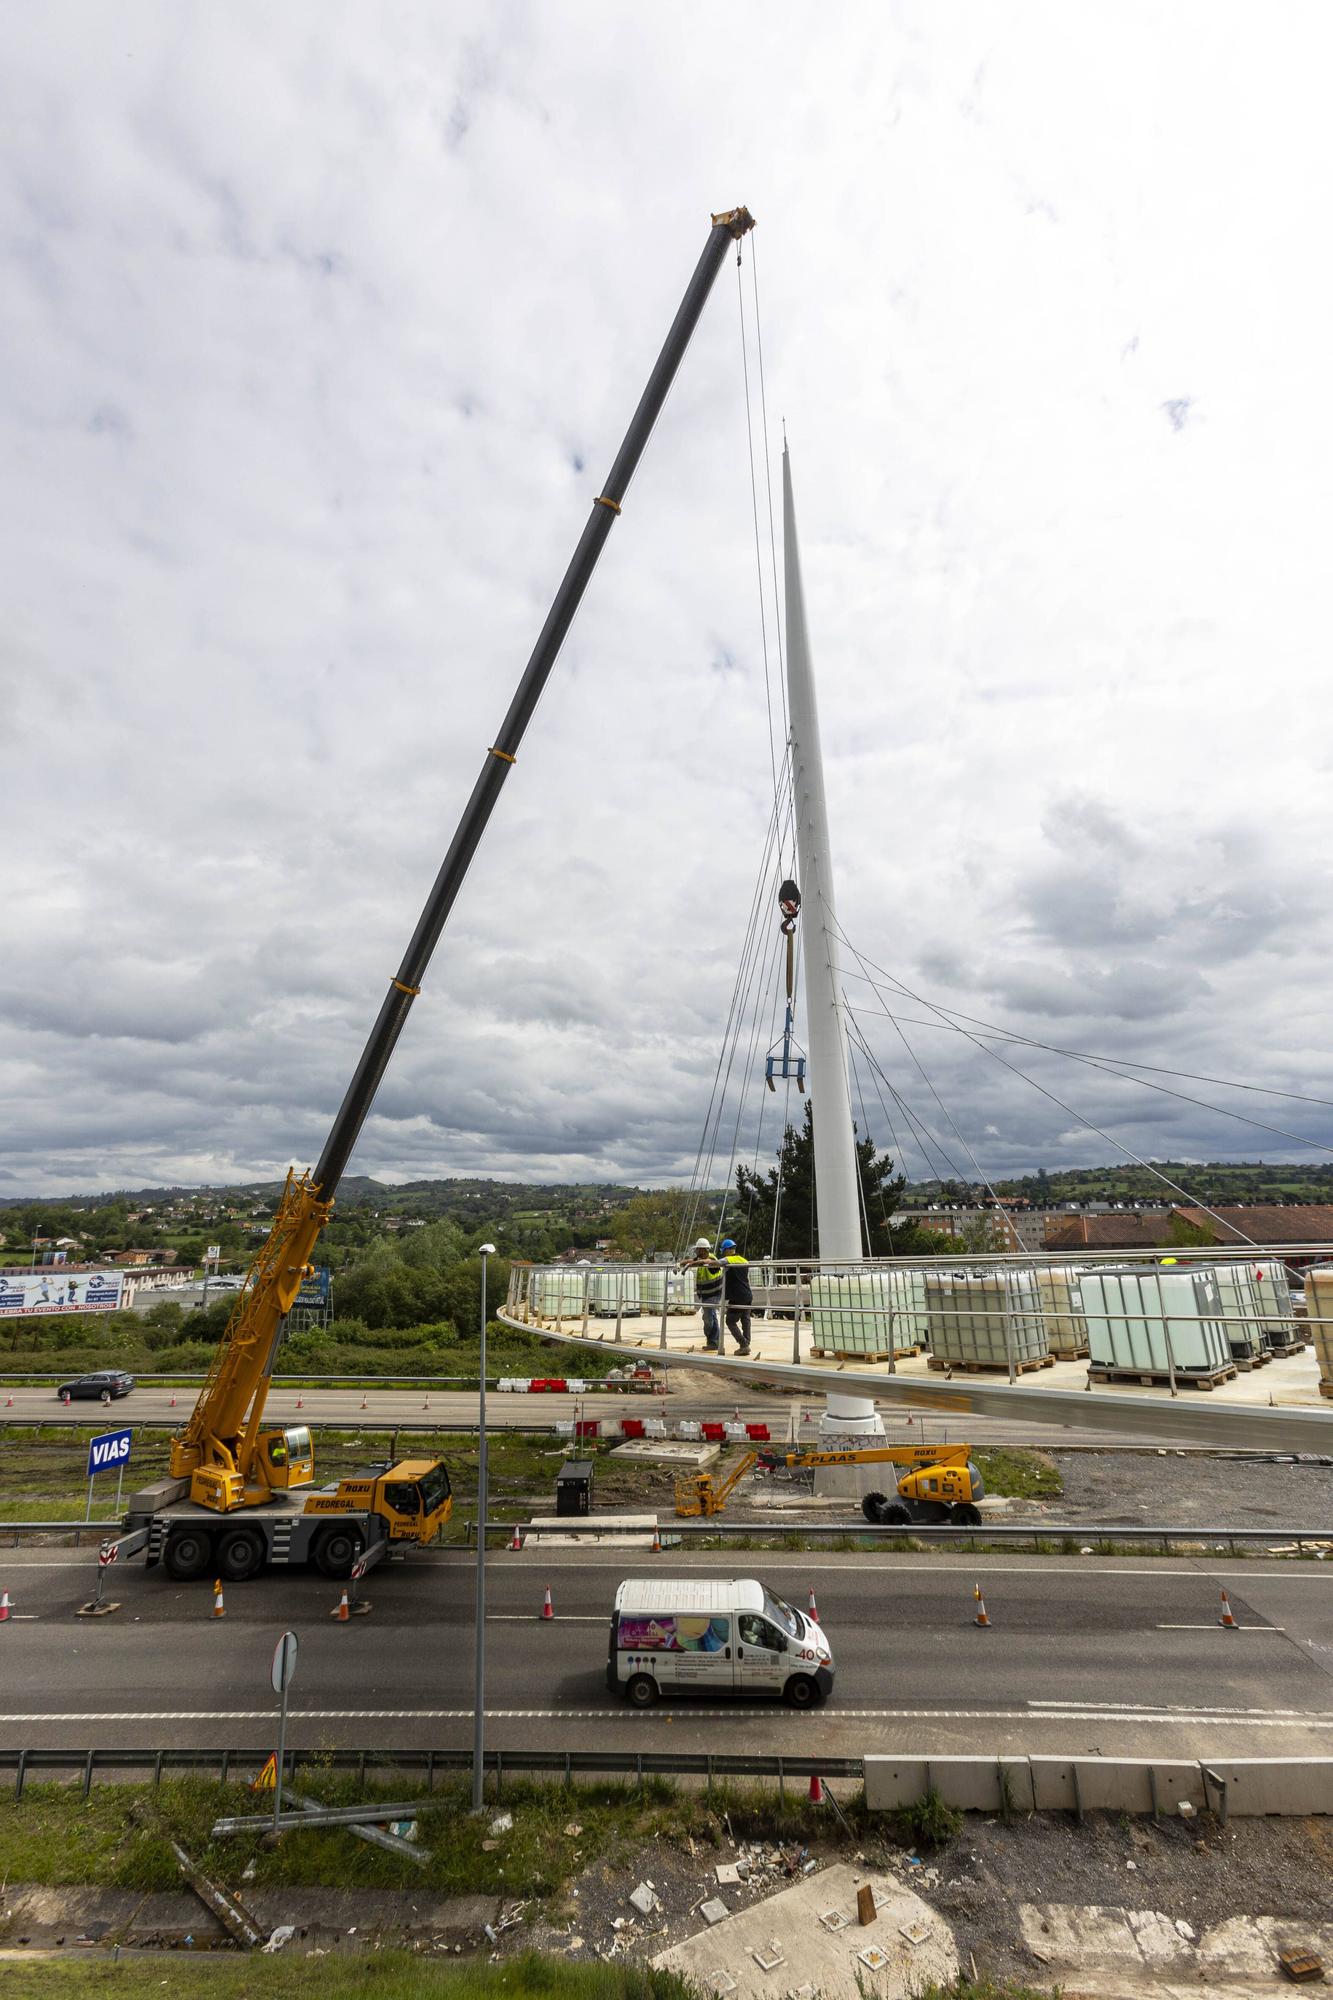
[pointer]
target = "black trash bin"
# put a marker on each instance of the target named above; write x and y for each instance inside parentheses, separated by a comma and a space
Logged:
(573, 1487)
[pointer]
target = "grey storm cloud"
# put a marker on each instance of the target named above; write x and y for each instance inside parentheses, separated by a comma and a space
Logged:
(315, 349)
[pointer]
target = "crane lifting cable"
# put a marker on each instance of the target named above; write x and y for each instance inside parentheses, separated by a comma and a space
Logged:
(786, 1058)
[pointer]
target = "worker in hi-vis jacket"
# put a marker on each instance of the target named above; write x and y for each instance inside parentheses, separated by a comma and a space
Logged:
(708, 1281)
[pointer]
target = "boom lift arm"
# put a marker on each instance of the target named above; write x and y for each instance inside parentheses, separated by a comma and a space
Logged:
(229, 1461)
(940, 1482)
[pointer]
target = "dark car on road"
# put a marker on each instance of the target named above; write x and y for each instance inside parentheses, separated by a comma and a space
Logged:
(105, 1382)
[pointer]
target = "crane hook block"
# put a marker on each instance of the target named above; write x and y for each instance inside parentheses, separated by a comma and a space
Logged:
(789, 902)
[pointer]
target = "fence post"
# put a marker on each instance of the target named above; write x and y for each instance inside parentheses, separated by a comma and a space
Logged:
(796, 1324)
(88, 1774)
(157, 1770)
(19, 1769)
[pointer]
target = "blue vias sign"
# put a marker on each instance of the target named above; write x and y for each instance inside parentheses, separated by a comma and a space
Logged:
(108, 1452)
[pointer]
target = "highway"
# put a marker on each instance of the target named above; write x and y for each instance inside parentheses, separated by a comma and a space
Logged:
(430, 1410)
(1119, 1656)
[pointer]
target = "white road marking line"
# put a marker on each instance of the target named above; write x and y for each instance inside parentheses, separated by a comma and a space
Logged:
(1217, 1718)
(557, 1617)
(1183, 1711)
(1171, 1570)
(1217, 1625)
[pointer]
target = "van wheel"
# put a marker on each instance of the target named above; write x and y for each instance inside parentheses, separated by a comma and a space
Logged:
(240, 1556)
(336, 1549)
(641, 1691)
(189, 1554)
(802, 1692)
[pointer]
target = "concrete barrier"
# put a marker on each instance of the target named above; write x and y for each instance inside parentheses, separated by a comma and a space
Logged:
(1294, 1786)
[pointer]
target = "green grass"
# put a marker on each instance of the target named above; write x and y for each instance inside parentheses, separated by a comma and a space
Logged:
(52, 1836)
(397, 1975)
(1019, 1475)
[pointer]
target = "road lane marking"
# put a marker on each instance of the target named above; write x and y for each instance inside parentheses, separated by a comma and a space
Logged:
(1218, 1718)
(1217, 1623)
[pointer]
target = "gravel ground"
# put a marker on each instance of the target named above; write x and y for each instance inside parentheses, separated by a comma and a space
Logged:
(1127, 1489)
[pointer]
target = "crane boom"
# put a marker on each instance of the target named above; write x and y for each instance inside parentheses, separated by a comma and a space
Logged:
(219, 1448)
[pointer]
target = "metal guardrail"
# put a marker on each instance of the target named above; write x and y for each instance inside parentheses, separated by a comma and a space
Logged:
(1006, 1534)
(564, 1764)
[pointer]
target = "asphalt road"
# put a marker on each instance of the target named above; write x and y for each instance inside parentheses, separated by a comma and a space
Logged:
(1122, 1657)
(406, 1409)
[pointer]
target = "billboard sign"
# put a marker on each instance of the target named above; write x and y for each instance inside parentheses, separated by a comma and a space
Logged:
(111, 1449)
(315, 1291)
(213, 1252)
(26, 1292)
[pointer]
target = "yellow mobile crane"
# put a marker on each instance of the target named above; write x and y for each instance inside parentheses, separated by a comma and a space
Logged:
(237, 1496)
(940, 1484)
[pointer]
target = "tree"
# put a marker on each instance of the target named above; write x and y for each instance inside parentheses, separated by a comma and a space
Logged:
(649, 1222)
(789, 1189)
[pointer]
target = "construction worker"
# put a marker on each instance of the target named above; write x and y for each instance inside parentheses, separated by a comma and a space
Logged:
(708, 1280)
(739, 1297)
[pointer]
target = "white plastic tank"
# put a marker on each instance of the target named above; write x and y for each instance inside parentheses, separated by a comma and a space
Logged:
(1066, 1328)
(556, 1294)
(1319, 1313)
(1274, 1293)
(612, 1291)
(985, 1317)
(676, 1286)
(1131, 1313)
(1240, 1308)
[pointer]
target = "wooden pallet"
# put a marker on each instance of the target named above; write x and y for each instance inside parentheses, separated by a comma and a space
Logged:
(860, 1354)
(1326, 1389)
(1160, 1378)
(989, 1367)
(1069, 1353)
(1293, 1347)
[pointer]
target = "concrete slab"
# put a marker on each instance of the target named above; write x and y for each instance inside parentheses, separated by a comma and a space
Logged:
(1109, 1950)
(680, 1455)
(737, 1957)
(574, 1531)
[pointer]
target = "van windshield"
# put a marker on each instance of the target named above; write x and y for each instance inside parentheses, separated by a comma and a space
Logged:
(783, 1616)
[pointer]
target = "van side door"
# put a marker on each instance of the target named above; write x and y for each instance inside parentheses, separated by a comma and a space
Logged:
(761, 1655)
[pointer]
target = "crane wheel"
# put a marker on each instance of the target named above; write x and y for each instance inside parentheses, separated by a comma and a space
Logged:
(240, 1555)
(189, 1554)
(336, 1550)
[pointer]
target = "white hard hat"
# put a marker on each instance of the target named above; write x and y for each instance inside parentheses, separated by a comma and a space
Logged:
(703, 1244)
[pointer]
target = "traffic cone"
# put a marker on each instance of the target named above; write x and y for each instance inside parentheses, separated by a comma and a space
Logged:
(9, 1402)
(547, 1611)
(173, 1399)
(344, 1610)
(364, 1404)
(1226, 1618)
(816, 1789)
(517, 1541)
(65, 1399)
(814, 1608)
(657, 1540)
(426, 1404)
(219, 1608)
(299, 1402)
(981, 1618)
(4, 1607)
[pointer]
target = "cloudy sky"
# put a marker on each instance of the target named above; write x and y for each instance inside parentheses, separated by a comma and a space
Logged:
(321, 325)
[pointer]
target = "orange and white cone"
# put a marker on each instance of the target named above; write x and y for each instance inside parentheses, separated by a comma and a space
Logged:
(517, 1539)
(173, 1399)
(219, 1608)
(4, 1607)
(426, 1404)
(981, 1618)
(9, 1402)
(547, 1608)
(343, 1610)
(816, 1789)
(1226, 1618)
(814, 1608)
(657, 1540)
(364, 1404)
(299, 1403)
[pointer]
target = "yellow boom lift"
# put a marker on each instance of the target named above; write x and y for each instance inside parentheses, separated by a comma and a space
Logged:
(939, 1485)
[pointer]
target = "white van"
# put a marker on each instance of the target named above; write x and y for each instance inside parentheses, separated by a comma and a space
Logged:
(730, 1637)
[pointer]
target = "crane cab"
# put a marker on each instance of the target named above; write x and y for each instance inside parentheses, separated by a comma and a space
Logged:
(286, 1458)
(412, 1498)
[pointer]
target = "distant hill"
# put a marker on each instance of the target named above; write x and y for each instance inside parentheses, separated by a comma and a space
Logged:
(1225, 1181)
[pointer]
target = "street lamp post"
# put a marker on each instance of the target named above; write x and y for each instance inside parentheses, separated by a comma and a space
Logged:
(479, 1671)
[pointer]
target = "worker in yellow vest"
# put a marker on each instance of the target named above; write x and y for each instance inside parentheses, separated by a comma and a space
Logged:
(739, 1297)
(708, 1278)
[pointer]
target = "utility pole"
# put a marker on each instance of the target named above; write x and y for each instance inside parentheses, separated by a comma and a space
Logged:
(486, 1252)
